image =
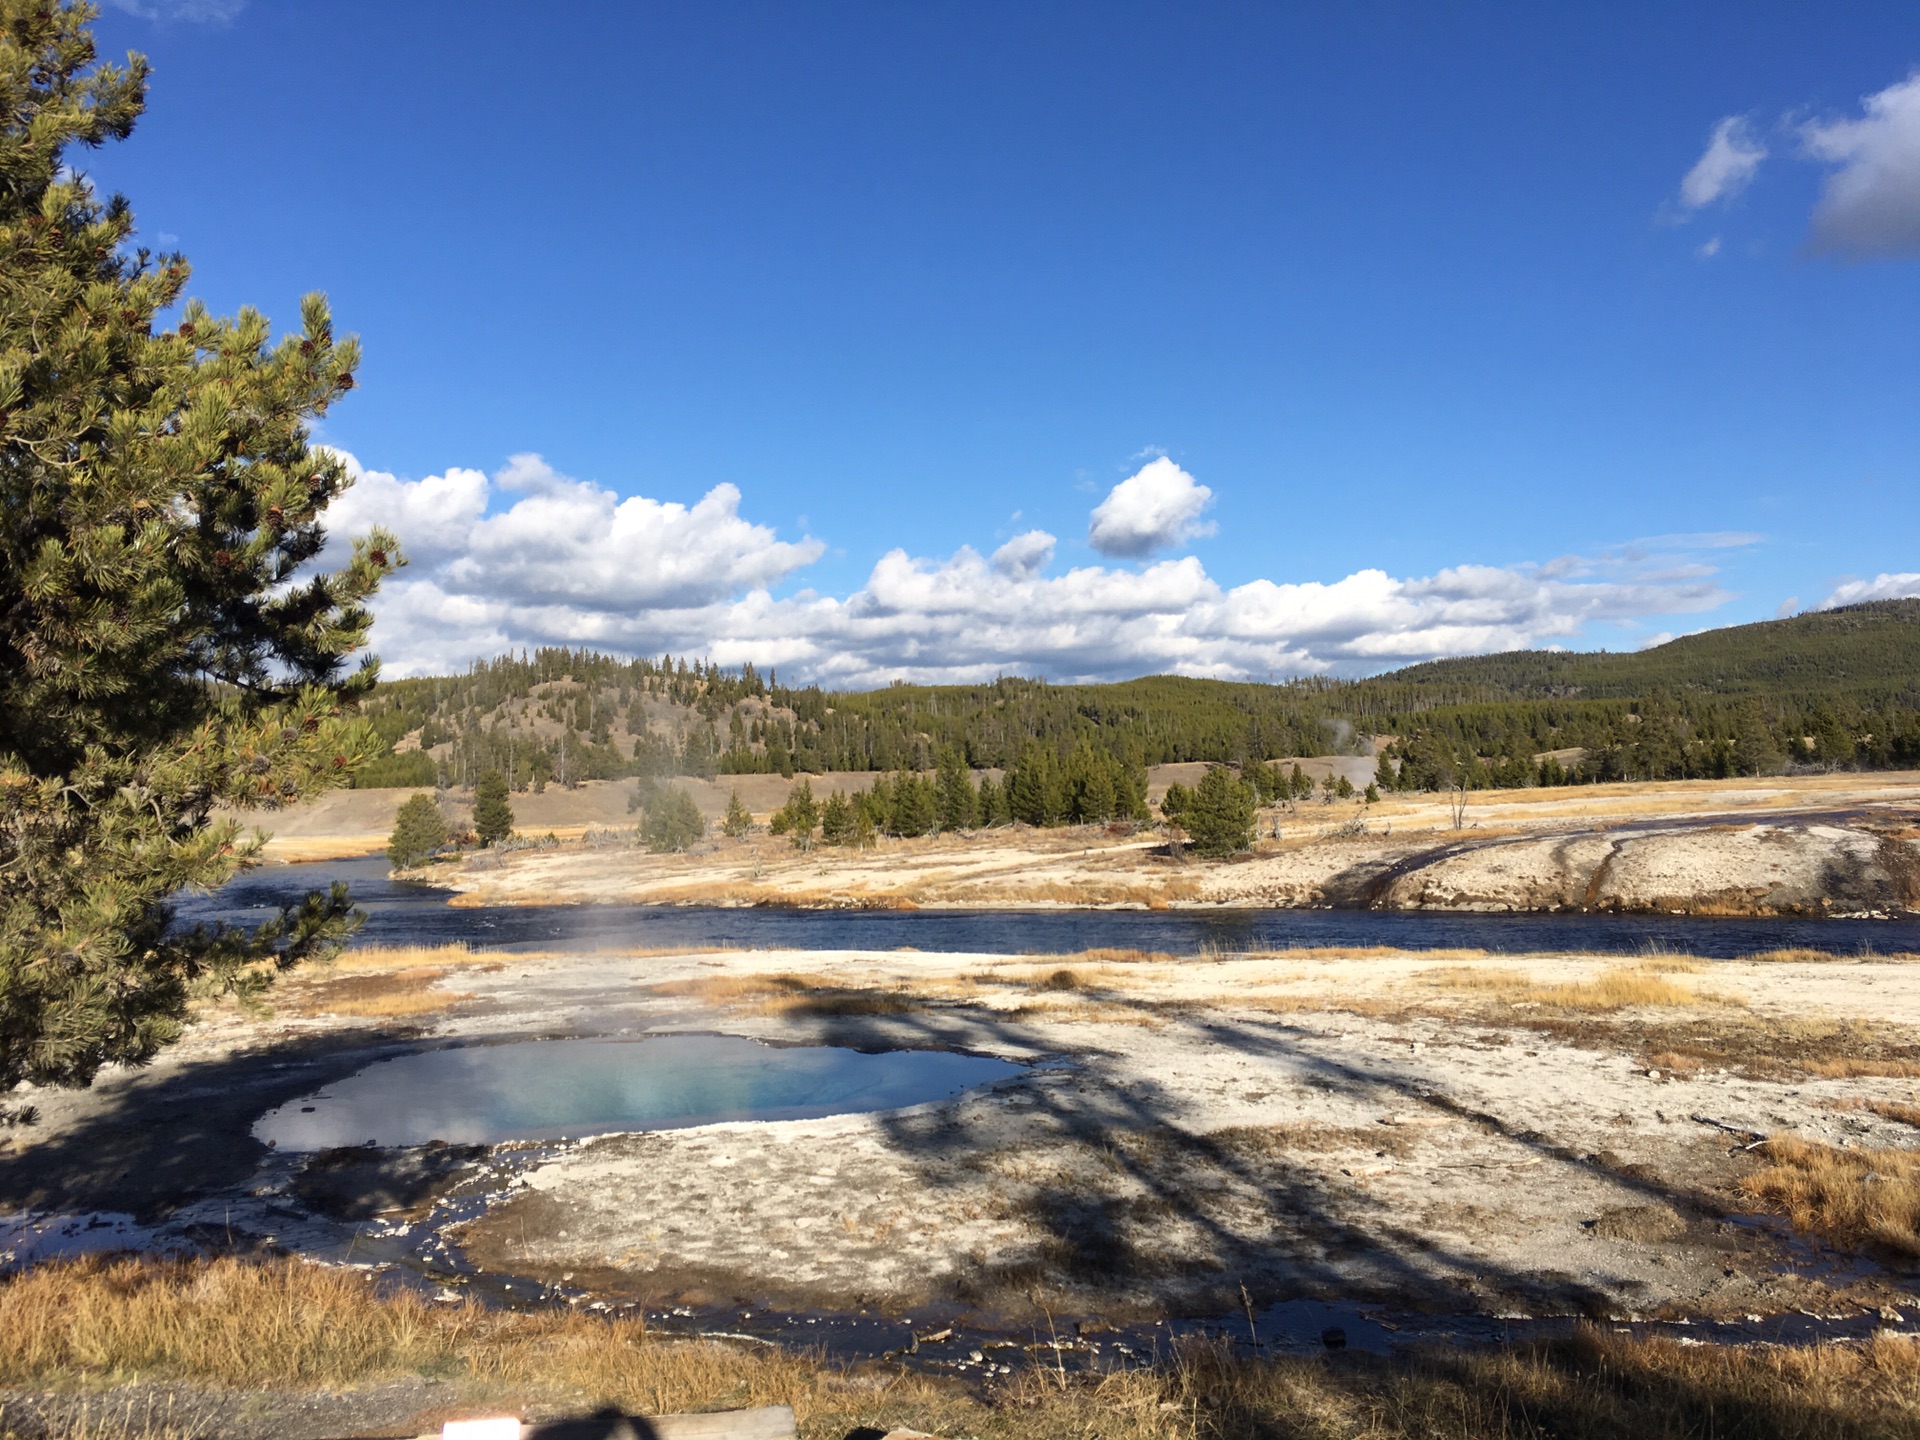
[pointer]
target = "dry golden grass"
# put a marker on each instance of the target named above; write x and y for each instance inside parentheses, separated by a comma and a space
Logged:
(380, 995)
(238, 1323)
(1897, 1110)
(1668, 963)
(722, 989)
(282, 1324)
(1860, 1067)
(410, 957)
(1099, 955)
(1154, 895)
(789, 994)
(1619, 988)
(1803, 956)
(1852, 1197)
(295, 848)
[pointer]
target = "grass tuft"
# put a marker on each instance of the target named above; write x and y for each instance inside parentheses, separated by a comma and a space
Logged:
(384, 995)
(1861, 1198)
(1619, 988)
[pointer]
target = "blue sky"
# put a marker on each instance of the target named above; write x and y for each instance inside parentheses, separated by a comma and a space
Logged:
(1479, 325)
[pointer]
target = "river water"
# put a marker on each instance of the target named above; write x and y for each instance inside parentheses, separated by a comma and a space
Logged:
(406, 913)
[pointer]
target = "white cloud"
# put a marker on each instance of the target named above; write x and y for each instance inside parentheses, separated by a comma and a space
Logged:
(1726, 168)
(216, 12)
(569, 563)
(1158, 506)
(434, 517)
(1870, 205)
(568, 542)
(1881, 587)
(1710, 249)
(1025, 555)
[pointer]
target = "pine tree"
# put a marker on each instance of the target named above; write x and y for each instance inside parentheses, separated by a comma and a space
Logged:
(1385, 775)
(800, 814)
(1088, 783)
(1033, 789)
(959, 803)
(418, 831)
(673, 822)
(737, 822)
(916, 808)
(993, 803)
(1219, 813)
(492, 814)
(836, 820)
(165, 646)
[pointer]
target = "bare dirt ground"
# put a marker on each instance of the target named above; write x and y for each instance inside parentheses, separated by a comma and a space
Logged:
(1468, 1136)
(1456, 1135)
(1816, 845)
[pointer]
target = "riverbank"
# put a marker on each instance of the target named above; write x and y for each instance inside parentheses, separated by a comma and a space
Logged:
(1811, 846)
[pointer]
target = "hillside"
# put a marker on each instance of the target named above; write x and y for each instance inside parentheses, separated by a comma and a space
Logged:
(1860, 651)
(1839, 688)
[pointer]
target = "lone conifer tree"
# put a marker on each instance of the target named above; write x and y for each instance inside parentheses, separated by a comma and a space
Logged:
(492, 812)
(161, 649)
(1219, 813)
(737, 822)
(418, 831)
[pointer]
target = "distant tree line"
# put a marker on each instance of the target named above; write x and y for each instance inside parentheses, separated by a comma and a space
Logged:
(1835, 690)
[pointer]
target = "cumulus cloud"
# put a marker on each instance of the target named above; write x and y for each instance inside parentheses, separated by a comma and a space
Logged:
(568, 542)
(1156, 507)
(1726, 168)
(1881, 587)
(566, 562)
(1025, 556)
(1870, 205)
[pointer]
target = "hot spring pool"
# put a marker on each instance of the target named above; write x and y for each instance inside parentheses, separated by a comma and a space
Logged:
(542, 1089)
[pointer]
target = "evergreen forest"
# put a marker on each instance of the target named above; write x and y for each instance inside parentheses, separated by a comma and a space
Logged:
(1833, 689)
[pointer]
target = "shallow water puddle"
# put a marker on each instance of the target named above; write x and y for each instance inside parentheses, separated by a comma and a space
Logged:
(541, 1089)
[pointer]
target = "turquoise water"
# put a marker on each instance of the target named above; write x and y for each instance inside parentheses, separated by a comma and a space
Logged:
(543, 1089)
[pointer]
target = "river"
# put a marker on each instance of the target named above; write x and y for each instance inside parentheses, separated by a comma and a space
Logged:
(407, 913)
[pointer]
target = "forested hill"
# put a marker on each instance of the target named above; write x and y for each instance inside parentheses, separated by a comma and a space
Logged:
(1861, 651)
(1841, 687)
